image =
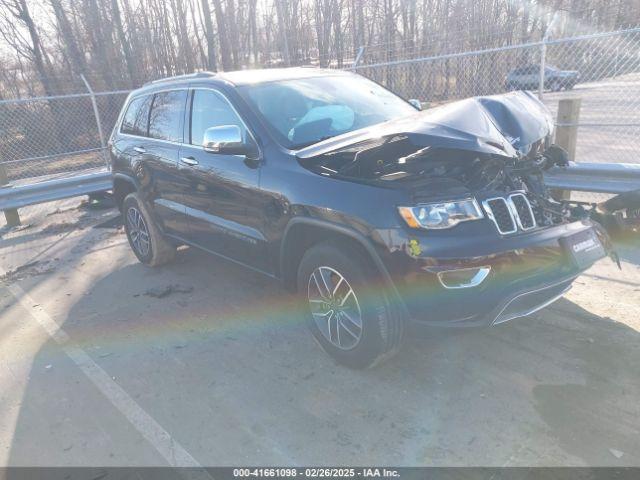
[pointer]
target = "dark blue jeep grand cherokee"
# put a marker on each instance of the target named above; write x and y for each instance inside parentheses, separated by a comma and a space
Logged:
(376, 213)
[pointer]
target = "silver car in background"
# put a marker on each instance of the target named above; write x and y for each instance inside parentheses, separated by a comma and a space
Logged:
(528, 78)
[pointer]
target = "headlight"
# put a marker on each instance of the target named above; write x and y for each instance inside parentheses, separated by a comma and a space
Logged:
(441, 215)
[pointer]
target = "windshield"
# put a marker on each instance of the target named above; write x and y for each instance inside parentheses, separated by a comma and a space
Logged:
(304, 111)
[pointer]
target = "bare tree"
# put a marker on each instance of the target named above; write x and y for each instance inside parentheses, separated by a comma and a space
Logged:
(120, 43)
(212, 64)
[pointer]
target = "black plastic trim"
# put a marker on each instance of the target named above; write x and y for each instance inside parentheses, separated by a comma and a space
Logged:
(355, 235)
(127, 178)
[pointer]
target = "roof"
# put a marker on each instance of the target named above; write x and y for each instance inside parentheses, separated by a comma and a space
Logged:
(178, 78)
(248, 77)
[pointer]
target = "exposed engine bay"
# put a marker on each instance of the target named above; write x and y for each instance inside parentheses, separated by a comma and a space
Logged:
(434, 174)
(476, 147)
(398, 161)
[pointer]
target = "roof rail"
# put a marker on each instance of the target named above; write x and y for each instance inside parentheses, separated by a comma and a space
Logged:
(182, 77)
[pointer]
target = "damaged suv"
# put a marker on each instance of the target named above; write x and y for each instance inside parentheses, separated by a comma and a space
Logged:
(377, 214)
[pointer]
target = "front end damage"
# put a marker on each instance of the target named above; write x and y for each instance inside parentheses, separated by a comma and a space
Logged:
(490, 152)
(479, 147)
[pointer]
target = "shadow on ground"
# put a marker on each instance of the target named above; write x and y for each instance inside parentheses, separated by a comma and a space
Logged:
(226, 366)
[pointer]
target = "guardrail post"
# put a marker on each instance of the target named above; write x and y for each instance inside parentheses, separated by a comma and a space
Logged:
(567, 131)
(96, 113)
(567, 134)
(11, 214)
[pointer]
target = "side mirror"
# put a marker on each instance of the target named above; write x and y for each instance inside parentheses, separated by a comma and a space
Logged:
(416, 103)
(226, 139)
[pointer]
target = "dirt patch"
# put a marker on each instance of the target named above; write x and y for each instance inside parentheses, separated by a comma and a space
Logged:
(113, 222)
(62, 227)
(27, 270)
(166, 290)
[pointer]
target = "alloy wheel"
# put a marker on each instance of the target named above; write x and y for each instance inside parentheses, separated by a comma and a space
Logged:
(335, 308)
(138, 231)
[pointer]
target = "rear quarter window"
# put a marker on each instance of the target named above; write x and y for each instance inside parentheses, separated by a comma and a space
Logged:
(136, 118)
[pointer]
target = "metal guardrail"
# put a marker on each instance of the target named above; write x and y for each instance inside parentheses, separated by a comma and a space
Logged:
(613, 178)
(595, 177)
(55, 189)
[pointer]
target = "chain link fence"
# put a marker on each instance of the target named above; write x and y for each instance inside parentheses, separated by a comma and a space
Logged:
(48, 136)
(603, 70)
(45, 136)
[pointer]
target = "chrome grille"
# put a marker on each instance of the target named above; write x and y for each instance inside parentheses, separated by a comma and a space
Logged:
(498, 211)
(510, 214)
(524, 214)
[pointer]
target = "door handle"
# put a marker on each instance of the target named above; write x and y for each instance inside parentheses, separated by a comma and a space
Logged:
(140, 149)
(189, 161)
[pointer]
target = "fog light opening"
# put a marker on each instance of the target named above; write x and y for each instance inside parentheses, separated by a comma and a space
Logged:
(463, 277)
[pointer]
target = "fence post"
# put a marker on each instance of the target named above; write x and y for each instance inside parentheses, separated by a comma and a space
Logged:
(358, 57)
(567, 134)
(11, 215)
(543, 54)
(96, 113)
(543, 59)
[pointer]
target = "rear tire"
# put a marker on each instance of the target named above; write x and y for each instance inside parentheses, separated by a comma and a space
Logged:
(145, 238)
(348, 310)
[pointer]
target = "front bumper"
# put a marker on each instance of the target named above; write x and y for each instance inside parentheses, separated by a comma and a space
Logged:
(528, 272)
(530, 301)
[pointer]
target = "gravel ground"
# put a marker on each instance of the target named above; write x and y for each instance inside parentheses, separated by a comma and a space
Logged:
(104, 361)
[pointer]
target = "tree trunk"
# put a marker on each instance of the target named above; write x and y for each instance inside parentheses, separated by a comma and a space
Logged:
(208, 34)
(126, 47)
(225, 51)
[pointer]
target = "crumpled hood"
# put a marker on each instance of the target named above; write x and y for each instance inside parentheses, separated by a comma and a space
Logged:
(507, 125)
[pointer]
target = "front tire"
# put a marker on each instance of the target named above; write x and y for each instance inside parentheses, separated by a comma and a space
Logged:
(348, 310)
(145, 238)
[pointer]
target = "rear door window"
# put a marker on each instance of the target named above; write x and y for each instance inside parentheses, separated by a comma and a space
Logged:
(136, 118)
(167, 112)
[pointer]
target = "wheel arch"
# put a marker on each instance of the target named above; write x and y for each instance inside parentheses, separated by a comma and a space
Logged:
(123, 185)
(302, 233)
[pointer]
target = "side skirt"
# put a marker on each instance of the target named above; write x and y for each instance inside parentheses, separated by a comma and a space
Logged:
(224, 257)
